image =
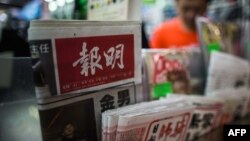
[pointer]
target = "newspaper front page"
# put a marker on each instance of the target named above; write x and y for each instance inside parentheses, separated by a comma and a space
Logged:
(79, 116)
(82, 56)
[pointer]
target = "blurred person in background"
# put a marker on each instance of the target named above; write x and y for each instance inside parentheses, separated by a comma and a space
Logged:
(181, 30)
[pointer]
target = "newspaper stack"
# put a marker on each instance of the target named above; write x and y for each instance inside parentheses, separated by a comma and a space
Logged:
(236, 103)
(206, 116)
(82, 69)
(227, 71)
(173, 71)
(158, 120)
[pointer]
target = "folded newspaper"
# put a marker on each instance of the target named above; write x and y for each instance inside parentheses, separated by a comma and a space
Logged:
(157, 120)
(236, 103)
(206, 116)
(81, 69)
(82, 56)
(78, 117)
(227, 71)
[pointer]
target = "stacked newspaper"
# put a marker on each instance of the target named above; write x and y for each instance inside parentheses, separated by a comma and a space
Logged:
(206, 116)
(227, 71)
(157, 120)
(236, 103)
(82, 69)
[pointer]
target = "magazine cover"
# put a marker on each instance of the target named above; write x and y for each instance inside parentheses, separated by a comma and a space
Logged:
(167, 72)
(79, 117)
(173, 71)
(82, 56)
(219, 36)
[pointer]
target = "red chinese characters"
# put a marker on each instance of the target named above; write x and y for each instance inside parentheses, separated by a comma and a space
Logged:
(173, 128)
(171, 70)
(163, 66)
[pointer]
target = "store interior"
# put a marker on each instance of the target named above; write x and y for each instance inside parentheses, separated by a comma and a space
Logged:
(207, 68)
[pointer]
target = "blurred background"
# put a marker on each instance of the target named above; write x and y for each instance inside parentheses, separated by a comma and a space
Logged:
(15, 15)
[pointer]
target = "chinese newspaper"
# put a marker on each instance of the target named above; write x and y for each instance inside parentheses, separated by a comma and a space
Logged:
(224, 72)
(82, 56)
(157, 120)
(81, 69)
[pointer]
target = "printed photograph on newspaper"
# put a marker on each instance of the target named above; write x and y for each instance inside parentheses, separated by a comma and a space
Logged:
(70, 122)
(79, 117)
